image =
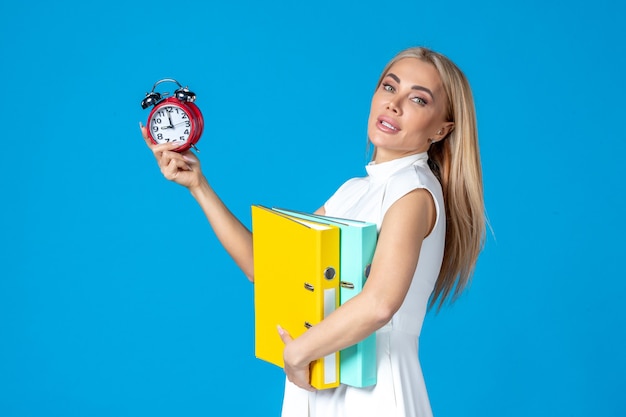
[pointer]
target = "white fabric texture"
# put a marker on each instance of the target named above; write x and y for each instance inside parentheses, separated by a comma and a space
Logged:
(400, 390)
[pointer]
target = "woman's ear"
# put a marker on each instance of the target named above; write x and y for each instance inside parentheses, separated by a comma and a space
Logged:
(443, 131)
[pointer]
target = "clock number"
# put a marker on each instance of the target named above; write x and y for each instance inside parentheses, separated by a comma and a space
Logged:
(182, 138)
(157, 120)
(184, 116)
(155, 128)
(186, 131)
(169, 109)
(187, 123)
(160, 136)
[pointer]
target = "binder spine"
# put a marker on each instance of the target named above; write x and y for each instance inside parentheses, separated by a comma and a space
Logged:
(325, 371)
(331, 362)
(358, 362)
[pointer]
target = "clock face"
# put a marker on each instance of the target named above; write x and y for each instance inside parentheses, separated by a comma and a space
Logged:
(170, 123)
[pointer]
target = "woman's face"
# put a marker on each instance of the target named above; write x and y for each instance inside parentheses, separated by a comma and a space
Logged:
(408, 108)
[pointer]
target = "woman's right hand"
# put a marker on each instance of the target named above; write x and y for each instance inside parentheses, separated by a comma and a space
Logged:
(180, 167)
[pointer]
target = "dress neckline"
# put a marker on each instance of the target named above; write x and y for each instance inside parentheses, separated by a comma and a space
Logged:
(384, 170)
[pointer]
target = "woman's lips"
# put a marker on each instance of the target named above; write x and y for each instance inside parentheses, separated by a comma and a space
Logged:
(387, 125)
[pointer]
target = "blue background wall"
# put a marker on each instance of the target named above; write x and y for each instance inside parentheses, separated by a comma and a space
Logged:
(117, 300)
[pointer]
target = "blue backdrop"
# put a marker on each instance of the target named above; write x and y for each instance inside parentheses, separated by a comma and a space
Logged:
(117, 300)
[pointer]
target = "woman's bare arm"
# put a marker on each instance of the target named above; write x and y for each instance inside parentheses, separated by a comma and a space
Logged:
(184, 169)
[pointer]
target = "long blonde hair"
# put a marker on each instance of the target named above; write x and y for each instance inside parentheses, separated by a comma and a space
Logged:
(455, 161)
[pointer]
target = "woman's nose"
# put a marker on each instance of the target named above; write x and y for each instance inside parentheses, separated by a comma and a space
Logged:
(394, 106)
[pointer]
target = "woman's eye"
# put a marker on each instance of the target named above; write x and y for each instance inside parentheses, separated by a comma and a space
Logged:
(419, 101)
(387, 87)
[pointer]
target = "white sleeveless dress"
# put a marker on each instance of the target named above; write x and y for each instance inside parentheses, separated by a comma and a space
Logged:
(400, 390)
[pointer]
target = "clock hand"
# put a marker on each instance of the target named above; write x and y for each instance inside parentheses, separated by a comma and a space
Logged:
(169, 117)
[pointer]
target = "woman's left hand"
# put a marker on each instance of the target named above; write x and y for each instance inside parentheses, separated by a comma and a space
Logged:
(298, 374)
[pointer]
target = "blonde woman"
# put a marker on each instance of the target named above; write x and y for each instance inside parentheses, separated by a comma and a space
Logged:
(424, 192)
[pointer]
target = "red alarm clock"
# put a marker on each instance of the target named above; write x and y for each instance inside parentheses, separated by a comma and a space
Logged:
(174, 119)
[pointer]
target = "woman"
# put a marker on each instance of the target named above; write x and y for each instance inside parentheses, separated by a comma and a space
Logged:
(424, 192)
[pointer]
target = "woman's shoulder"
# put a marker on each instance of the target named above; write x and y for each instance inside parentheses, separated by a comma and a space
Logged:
(411, 178)
(418, 176)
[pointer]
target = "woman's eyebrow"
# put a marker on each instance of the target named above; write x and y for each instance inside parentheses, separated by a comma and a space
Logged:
(414, 87)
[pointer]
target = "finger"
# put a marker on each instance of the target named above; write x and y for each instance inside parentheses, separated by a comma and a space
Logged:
(163, 147)
(284, 335)
(301, 379)
(167, 155)
(144, 133)
(156, 148)
(164, 156)
(193, 164)
(191, 158)
(174, 167)
(300, 384)
(308, 387)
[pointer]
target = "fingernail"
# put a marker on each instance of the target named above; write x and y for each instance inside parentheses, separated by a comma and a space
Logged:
(140, 125)
(280, 330)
